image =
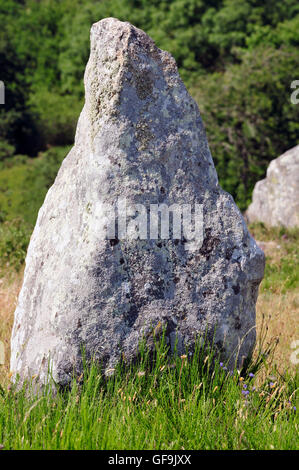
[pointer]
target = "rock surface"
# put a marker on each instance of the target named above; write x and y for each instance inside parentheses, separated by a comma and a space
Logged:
(275, 199)
(139, 137)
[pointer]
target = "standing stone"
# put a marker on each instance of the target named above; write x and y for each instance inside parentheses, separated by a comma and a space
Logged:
(140, 138)
(275, 199)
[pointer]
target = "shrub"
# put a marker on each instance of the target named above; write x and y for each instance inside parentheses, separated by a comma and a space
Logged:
(14, 239)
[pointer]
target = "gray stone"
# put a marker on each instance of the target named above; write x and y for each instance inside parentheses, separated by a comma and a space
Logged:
(140, 137)
(275, 199)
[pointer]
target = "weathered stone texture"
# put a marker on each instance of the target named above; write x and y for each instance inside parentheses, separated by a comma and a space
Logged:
(275, 199)
(140, 137)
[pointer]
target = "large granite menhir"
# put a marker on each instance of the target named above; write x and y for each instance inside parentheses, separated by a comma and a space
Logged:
(140, 137)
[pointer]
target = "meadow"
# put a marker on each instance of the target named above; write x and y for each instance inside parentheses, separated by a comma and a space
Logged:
(238, 61)
(179, 402)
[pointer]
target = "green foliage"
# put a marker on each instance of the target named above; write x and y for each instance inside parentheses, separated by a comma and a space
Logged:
(281, 271)
(24, 183)
(249, 117)
(6, 150)
(178, 402)
(238, 58)
(14, 239)
(286, 33)
(12, 191)
(44, 170)
(16, 120)
(39, 176)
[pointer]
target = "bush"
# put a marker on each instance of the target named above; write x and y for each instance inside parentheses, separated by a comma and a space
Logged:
(14, 239)
(24, 185)
(6, 150)
(249, 117)
(238, 57)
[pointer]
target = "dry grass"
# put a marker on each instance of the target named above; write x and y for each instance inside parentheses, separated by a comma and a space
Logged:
(277, 319)
(278, 301)
(9, 290)
(277, 305)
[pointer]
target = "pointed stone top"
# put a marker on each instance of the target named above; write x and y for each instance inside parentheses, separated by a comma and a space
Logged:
(133, 90)
(140, 140)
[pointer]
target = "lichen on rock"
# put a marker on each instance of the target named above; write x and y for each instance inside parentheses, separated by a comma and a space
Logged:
(275, 199)
(140, 137)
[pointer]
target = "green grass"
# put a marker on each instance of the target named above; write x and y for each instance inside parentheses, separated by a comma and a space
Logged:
(178, 403)
(282, 265)
(24, 183)
(14, 239)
